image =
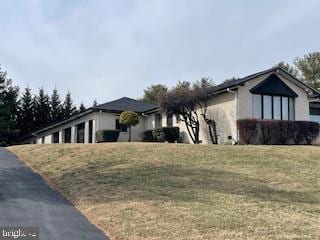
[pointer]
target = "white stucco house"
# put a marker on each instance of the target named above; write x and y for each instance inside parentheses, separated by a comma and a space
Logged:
(270, 94)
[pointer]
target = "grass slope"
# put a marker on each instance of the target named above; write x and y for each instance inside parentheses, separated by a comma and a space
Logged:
(170, 191)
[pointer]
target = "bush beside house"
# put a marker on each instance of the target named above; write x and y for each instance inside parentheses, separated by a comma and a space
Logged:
(164, 134)
(147, 136)
(107, 136)
(252, 131)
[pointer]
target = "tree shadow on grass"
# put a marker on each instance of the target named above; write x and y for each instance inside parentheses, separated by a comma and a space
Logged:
(173, 182)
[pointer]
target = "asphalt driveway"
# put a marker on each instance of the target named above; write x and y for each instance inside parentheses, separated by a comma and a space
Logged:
(27, 201)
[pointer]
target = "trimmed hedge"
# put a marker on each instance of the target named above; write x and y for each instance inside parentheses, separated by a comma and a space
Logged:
(164, 134)
(107, 135)
(252, 131)
(147, 136)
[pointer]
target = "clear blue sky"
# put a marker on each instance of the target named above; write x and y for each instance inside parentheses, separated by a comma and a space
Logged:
(109, 49)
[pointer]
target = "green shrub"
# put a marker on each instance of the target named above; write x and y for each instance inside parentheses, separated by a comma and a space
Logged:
(158, 135)
(107, 135)
(129, 119)
(147, 136)
(166, 134)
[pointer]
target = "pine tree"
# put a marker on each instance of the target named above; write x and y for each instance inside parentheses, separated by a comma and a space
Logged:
(68, 108)
(8, 109)
(42, 109)
(82, 108)
(290, 69)
(95, 103)
(152, 93)
(26, 118)
(309, 67)
(55, 107)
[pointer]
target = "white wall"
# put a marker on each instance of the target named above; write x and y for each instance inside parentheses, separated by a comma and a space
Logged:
(221, 109)
(107, 121)
(48, 134)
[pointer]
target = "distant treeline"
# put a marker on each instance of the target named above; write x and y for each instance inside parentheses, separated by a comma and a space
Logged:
(22, 112)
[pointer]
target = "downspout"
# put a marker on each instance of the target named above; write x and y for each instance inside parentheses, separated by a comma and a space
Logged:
(236, 105)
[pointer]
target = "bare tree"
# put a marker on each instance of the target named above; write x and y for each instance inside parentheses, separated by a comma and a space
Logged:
(203, 92)
(181, 101)
(190, 102)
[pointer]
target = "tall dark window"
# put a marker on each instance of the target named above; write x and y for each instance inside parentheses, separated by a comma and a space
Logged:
(169, 120)
(90, 130)
(80, 133)
(276, 107)
(314, 113)
(158, 120)
(55, 137)
(67, 135)
(121, 127)
(272, 107)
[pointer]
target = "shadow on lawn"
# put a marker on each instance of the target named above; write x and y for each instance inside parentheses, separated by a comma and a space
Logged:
(175, 182)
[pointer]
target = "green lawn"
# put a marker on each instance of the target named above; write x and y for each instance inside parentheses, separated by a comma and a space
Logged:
(177, 191)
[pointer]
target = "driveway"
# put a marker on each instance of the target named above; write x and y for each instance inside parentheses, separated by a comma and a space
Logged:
(27, 201)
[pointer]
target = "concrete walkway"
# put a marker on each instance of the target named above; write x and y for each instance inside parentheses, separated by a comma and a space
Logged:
(27, 201)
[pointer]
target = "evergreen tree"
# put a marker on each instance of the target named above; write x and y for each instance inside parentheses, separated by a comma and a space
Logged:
(309, 67)
(42, 109)
(152, 93)
(95, 103)
(26, 116)
(68, 108)
(290, 69)
(8, 109)
(82, 108)
(55, 107)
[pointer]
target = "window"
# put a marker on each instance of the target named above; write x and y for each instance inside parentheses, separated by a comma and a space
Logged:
(80, 133)
(291, 108)
(158, 120)
(256, 106)
(55, 137)
(272, 107)
(314, 111)
(169, 120)
(267, 107)
(67, 135)
(277, 107)
(121, 127)
(177, 118)
(90, 131)
(285, 108)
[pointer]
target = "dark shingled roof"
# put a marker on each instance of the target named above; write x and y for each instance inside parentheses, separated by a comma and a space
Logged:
(126, 104)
